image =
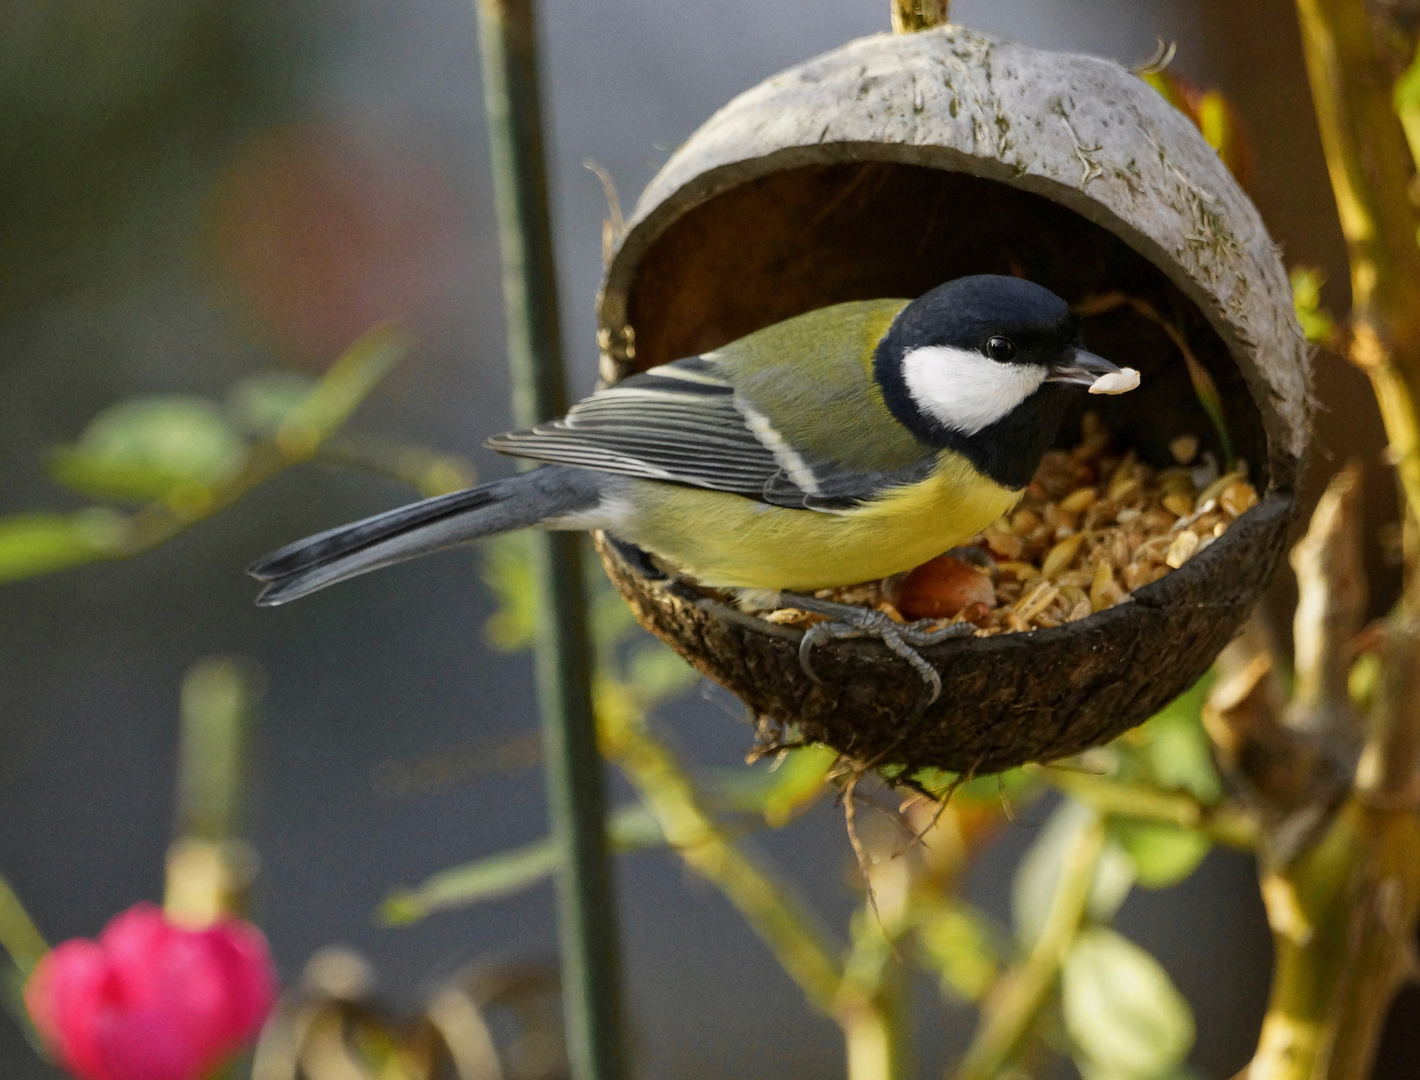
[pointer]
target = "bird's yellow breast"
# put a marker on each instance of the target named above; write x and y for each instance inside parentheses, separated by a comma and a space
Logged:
(728, 541)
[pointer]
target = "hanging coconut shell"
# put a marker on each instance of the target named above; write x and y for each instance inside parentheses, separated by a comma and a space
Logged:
(899, 162)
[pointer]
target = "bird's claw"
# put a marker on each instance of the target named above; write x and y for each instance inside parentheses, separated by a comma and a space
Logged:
(855, 622)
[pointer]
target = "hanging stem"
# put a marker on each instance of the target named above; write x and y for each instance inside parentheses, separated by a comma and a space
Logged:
(576, 802)
(909, 16)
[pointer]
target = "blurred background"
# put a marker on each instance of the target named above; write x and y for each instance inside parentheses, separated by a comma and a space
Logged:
(195, 190)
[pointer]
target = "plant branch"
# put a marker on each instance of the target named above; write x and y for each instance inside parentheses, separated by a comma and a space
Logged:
(1271, 764)
(1370, 166)
(427, 471)
(1369, 163)
(507, 873)
(1331, 608)
(1020, 994)
(1225, 823)
(775, 914)
(873, 1004)
(99, 533)
(1378, 940)
(1343, 909)
(1341, 918)
(1386, 775)
(318, 416)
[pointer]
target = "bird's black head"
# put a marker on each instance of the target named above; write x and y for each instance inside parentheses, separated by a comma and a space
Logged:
(982, 365)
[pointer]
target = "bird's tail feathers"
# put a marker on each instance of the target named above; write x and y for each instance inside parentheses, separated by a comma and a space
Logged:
(501, 506)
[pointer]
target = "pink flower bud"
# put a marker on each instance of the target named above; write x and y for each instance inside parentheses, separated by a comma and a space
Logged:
(152, 1001)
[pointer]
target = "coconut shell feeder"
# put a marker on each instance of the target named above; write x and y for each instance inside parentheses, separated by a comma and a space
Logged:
(891, 165)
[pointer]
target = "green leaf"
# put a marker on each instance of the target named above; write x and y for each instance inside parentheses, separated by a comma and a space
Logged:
(1177, 753)
(1407, 88)
(1090, 1071)
(260, 404)
(489, 878)
(1206, 390)
(957, 942)
(142, 449)
(777, 792)
(611, 618)
(508, 571)
(1317, 324)
(1162, 854)
(1038, 873)
(34, 544)
(657, 672)
(632, 828)
(1013, 787)
(1362, 680)
(1121, 1010)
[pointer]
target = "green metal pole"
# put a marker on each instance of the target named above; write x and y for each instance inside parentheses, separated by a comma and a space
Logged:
(576, 804)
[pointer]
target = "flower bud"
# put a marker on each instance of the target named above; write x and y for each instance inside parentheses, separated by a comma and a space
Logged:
(152, 1001)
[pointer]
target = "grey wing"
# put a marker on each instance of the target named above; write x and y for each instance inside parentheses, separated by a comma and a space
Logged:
(677, 422)
(683, 423)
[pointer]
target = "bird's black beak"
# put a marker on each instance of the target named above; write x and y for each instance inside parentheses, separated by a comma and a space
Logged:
(1080, 368)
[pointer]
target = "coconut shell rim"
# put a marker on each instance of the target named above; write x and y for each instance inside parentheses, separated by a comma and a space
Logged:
(1285, 421)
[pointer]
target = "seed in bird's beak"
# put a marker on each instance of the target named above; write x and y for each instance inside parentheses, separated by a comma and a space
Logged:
(1082, 368)
(1116, 382)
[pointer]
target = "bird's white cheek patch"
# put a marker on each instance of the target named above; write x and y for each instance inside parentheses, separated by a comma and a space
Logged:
(965, 390)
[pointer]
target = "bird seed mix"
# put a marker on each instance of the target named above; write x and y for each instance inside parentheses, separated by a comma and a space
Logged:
(1094, 525)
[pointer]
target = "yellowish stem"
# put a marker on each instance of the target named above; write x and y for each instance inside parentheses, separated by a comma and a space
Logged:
(1397, 404)
(909, 16)
(868, 998)
(1011, 1008)
(669, 794)
(1341, 918)
(1224, 824)
(1342, 914)
(1369, 161)
(1331, 608)
(18, 934)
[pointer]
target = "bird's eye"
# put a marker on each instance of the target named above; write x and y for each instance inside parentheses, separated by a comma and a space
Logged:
(1000, 348)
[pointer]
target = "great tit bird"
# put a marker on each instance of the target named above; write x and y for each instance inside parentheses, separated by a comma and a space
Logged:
(843, 445)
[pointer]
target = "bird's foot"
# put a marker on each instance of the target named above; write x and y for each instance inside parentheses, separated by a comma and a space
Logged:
(847, 621)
